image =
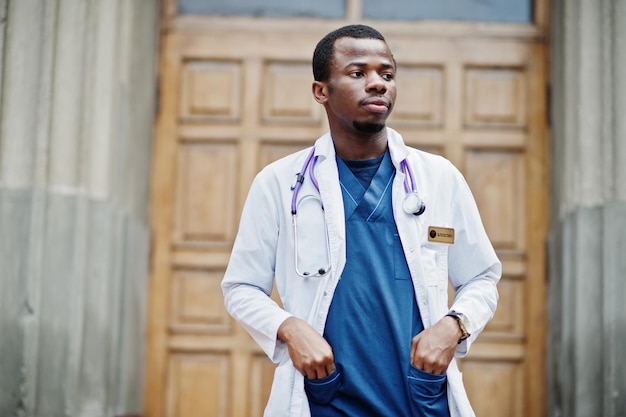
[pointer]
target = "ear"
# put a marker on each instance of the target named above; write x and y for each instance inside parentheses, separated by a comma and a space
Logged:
(320, 91)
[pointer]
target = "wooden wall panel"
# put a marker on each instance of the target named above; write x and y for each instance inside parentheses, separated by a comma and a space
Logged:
(509, 322)
(196, 303)
(495, 97)
(272, 151)
(260, 382)
(496, 388)
(286, 96)
(420, 96)
(198, 385)
(497, 182)
(211, 91)
(206, 198)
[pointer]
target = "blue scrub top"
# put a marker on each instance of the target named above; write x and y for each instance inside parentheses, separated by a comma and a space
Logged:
(374, 314)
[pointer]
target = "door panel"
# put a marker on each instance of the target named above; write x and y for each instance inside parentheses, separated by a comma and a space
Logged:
(236, 95)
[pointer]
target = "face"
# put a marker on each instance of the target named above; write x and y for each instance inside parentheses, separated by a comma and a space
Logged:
(361, 90)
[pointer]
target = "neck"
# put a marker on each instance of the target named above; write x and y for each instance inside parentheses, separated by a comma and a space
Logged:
(361, 146)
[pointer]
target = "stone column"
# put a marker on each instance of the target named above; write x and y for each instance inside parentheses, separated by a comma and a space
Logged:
(587, 324)
(76, 123)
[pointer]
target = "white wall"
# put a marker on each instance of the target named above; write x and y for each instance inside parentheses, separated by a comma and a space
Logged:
(76, 116)
(587, 335)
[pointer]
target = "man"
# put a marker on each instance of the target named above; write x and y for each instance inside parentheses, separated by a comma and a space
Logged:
(364, 328)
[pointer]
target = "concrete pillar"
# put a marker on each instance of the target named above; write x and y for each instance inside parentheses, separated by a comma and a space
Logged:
(76, 123)
(587, 329)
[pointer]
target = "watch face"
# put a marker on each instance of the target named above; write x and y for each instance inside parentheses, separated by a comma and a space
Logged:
(463, 323)
(464, 320)
(461, 318)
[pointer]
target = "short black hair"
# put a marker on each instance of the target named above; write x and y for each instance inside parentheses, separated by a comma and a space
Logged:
(323, 53)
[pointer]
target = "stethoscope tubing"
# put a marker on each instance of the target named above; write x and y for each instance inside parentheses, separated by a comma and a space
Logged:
(404, 167)
(300, 179)
(416, 205)
(409, 180)
(321, 271)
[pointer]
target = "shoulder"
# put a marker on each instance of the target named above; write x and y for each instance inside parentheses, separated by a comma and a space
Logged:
(438, 176)
(433, 163)
(287, 165)
(400, 150)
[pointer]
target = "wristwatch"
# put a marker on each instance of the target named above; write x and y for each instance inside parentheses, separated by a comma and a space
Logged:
(463, 323)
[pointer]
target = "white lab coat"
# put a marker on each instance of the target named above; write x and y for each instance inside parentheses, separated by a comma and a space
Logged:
(263, 253)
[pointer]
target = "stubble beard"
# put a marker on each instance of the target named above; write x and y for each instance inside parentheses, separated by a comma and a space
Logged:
(366, 127)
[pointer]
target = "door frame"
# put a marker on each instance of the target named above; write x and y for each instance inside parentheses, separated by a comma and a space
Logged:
(161, 215)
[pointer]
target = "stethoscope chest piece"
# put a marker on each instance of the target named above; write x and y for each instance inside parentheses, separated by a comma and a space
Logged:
(413, 204)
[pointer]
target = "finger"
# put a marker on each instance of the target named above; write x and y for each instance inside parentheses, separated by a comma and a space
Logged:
(425, 362)
(320, 372)
(330, 368)
(417, 359)
(310, 372)
(419, 363)
(414, 343)
(440, 367)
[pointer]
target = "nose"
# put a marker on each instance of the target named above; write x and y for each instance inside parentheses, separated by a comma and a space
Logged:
(376, 83)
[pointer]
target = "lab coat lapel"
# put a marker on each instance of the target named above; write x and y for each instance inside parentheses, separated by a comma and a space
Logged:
(328, 178)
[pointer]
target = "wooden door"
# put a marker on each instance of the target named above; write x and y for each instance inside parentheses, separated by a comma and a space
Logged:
(235, 94)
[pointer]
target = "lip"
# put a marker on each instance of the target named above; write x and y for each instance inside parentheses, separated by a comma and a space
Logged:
(376, 104)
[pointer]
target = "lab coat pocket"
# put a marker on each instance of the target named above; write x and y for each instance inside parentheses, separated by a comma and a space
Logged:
(428, 393)
(323, 390)
(279, 401)
(435, 263)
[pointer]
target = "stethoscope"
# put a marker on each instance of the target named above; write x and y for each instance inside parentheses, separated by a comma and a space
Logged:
(412, 204)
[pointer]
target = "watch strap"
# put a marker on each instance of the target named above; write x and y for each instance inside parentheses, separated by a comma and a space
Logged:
(459, 319)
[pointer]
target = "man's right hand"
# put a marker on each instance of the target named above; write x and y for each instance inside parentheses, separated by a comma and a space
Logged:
(309, 351)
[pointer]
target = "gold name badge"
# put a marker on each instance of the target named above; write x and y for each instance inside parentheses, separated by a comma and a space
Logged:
(440, 234)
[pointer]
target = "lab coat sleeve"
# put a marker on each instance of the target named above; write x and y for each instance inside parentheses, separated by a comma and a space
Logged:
(249, 277)
(473, 267)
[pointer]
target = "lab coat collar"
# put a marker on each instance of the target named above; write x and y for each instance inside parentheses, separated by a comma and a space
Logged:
(325, 148)
(397, 149)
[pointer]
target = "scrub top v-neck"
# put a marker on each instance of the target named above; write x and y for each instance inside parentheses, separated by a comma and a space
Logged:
(373, 315)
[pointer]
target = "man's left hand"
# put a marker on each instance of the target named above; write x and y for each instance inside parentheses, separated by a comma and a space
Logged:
(432, 349)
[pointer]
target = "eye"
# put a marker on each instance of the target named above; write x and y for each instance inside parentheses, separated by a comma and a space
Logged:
(356, 74)
(388, 76)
